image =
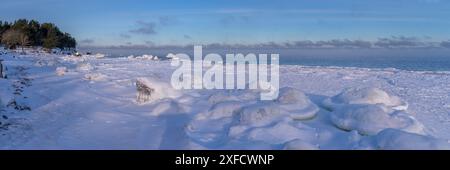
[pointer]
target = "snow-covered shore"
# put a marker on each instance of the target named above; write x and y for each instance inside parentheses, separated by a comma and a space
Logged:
(89, 102)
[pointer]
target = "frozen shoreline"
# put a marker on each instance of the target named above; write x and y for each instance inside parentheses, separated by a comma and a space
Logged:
(90, 103)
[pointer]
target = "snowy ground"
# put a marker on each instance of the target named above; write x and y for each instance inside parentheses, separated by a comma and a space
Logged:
(90, 102)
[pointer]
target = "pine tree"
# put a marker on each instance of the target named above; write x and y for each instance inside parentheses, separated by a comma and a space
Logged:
(32, 33)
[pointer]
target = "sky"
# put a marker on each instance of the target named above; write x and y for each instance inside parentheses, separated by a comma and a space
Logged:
(182, 22)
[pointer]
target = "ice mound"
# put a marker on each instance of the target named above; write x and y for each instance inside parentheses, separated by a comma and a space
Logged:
(144, 57)
(84, 67)
(371, 119)
(365, 96)
(60, 71)
(150, 89)
(221, 110)
(299, 144)
(273, 121)
(259, 114)
(256, 115)
(277, 133)
(167, 106)
(172, 56)
(95, 77)
(212, 124)
(233, 95)
(282, 132)
(391, 139)
(296, 104)
(73, 59)
(98, 55)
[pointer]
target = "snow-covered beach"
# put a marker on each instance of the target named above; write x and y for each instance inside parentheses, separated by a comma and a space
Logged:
(90, 102)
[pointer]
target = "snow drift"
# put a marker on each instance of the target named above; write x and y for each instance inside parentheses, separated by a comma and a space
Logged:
(60, 71)
(392, 139)
(368, 95)
(371, 119)
(296, 104)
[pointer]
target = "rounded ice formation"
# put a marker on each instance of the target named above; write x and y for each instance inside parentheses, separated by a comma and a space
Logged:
(365, 96)
(396, 139)
(277, 132)
(298, 144)
(259, 114)
(95, 77)
(233, 95)
(371, 119)
(172, 56)
(99, 55)
(60, 71)
(221, 110)
(296, 104)
(84, 67)
(281, 132)
(145, 57)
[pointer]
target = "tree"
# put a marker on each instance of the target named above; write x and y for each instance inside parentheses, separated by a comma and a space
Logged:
(20, 24)
(52, 36)
(23, 32)
(67, 41)
(33, 33)
(4, 26)
(50, 42)
(23, 40)
(12, 38)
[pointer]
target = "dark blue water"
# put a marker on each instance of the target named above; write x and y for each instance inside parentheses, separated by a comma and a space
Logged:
(405, 59)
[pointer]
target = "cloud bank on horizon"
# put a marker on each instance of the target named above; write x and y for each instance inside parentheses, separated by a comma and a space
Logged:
(286, 23)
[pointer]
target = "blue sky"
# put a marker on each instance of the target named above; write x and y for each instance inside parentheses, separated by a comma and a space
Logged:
(180, 22)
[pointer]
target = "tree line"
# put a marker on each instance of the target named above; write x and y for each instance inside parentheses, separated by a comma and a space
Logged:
(31, 33)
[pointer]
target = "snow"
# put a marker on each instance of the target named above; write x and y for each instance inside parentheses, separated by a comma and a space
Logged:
(96, 102)
(84, 67)
(259, 114)
(95, 77)
(371, 119)
(167, 106)
(98, 55)
(400, 140)
(60, 71)
(366, 95)
(143, 57)
(296, 104)
(233, 95)
(221, 110)
(278, 133)
(155, 89)
(298, 144)
(1, 103)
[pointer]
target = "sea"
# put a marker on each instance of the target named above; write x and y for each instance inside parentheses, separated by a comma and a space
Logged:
(412, 59)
